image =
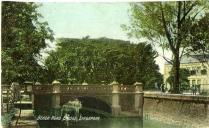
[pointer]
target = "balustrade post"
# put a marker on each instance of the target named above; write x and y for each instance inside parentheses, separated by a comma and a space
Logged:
(207, 111)
(139, 99)
(33, 100)
(116, 108)
(15, 91)
(33, 96)
(7, 100)
(84, 83)
(37, 83)
(28, 88)
(56, 94)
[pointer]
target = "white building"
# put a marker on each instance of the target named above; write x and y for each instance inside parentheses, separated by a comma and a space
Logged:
(198, 65)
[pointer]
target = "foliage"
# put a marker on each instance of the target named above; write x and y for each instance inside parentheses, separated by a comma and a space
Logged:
(204, 93)
(102, 60)
(7, 117)
(181, 27)
(23, 36)
(184, 74)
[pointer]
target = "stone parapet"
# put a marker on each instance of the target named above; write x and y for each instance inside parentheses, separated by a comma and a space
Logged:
(178, 97)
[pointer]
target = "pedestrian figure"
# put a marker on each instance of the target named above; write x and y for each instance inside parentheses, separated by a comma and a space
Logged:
(156, 87)
(193, 90)
(163, 88)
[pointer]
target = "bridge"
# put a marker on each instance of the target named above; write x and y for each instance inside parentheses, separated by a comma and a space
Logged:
(115, 99)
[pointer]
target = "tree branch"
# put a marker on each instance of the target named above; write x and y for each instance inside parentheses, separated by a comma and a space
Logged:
(166, 30)
(198, 13)
(181, 53)
(167, 59)
(188, 11)
(178, 25)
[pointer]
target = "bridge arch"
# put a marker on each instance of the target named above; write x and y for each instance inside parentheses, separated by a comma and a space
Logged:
(91, 104)
(95, 103)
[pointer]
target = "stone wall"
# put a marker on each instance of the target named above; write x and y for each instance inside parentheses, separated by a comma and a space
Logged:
(126, 102)
(176, 107)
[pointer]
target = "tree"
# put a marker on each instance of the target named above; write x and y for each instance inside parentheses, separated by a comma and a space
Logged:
(102, 60)
(171, 25)
(23, 36)
(184, 74)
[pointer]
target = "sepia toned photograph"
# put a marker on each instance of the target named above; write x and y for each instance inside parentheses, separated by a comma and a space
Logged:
(106, 64)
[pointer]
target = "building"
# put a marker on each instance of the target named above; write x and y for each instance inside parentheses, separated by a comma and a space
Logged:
(198, 65)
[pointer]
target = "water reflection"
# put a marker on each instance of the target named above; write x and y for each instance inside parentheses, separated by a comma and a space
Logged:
(109, 123)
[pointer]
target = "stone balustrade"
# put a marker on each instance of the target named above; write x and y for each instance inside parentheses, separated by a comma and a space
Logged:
(99, 89)
(114, 90)
(64, 88)
(38, 89)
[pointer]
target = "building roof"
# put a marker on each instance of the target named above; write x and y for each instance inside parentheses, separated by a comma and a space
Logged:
(194, 59)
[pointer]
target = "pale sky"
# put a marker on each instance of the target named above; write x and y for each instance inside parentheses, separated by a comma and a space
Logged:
(77, 20)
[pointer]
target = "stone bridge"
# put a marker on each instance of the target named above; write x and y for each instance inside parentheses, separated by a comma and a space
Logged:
(115, 99)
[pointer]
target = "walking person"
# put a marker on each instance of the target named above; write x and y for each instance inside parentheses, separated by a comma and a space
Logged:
(193, 90)
(163, 87)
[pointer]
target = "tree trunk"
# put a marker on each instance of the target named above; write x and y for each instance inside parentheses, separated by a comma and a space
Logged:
(176, 70)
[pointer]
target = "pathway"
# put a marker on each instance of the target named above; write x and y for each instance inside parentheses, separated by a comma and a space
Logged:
(26, 120)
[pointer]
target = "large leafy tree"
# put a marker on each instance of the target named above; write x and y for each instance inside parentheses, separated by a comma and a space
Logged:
(102, 60)
(23, 36)
(181, 27)
(184, 74)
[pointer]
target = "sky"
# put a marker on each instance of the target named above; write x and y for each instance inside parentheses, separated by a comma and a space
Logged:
(81, 19)
(77, 20)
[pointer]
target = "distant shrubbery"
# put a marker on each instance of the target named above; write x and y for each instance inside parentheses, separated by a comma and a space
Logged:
(102, 60)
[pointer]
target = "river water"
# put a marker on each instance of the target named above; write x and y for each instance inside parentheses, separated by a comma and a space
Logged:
(109, 123)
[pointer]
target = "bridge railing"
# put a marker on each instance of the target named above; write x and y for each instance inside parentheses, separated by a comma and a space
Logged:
(88, 88)
(42, 88)
(9, 95)
(127, 88)
(85, 88)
